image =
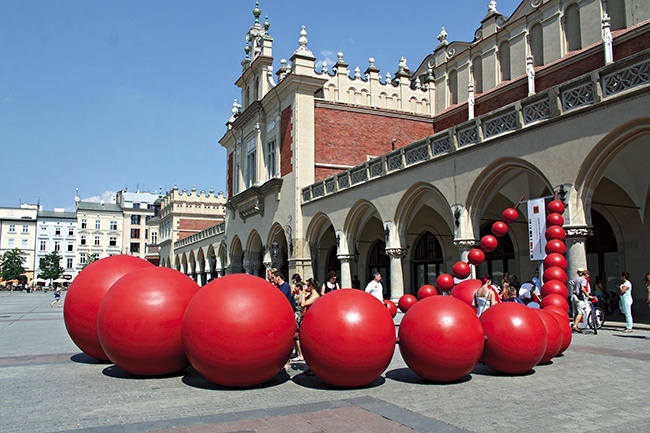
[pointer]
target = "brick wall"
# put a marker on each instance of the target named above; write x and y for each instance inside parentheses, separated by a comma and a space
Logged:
(286, 140)
(188, 227)
(348, 136)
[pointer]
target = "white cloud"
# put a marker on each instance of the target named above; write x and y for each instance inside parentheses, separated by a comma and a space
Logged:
(106, 197)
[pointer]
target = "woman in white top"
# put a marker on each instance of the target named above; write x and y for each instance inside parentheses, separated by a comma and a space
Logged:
(626, 300)
(483, 297)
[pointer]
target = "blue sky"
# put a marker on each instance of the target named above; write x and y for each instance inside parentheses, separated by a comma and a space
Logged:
(99, 95)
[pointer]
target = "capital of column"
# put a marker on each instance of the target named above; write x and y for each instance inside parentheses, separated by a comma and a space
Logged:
(346, 257)
(465, 243)
(396, 252)
(578, 232)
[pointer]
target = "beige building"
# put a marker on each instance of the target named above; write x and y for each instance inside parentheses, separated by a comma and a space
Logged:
(403, 173)
(138, 208)
(18, 230)
(99, 230)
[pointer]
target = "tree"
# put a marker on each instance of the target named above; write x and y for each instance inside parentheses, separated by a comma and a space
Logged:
(92, 257)
(12, 264)
(50, 266)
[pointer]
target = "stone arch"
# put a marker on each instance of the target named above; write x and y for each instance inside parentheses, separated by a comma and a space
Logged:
(200, 267)
(236, 260)
(254, 255)
(322, 239)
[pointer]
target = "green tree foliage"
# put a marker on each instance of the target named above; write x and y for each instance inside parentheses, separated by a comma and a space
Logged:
(50, 266)
(92, 257)
(12, 265)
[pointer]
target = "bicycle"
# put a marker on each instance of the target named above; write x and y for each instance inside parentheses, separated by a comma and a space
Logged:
(595, 315)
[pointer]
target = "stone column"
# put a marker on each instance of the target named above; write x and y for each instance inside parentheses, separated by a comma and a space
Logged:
(396, 255)
(346, 270)
(576, 251)
(464, 246)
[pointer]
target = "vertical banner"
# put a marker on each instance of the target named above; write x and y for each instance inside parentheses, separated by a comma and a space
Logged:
(537, 228)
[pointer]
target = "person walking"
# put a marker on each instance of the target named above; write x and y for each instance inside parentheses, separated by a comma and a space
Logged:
(484, 297)
(626, 300)
(57, 296)
(375, 288)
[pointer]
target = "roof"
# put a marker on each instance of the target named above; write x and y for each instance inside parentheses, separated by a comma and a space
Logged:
(54, 214)
(98, 207)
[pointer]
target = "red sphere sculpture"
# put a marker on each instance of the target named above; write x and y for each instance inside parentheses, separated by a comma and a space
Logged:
(555, 206)
(499, 229)
(562, 313)
(554, 219)
(567, 333)
(238, 330)
(441, 339)
(555, 232)
(554, 287)
(555, 273)
(489, 243)
(445, 282)
(347, 338)
(139, 321)
(557, 300)
(555, 259)
(461, 270)
(510, 215)
(405, 302)
(391, 307)
(85, 295)
(464, 291)
(553, 335)
(515, 338)
(476, 256)
(555, 246)
(427, 290)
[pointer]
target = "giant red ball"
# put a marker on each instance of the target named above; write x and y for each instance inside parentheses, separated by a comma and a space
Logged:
(476, 256)
(139, 321)
(515, 338)
(391, 307)
(461, 270)
(556, 300)
(555, 232)
(347, 338)
(555, 259)
(445, 282)
(489, 243)
(555, 206)
(555, 246)
(554, 219)
(554, 287)
(239, 330)
(464, 291)
(510, 215)
(441, 339)
(499, 229)
(85, 295)
(553, 335)
(405, 302)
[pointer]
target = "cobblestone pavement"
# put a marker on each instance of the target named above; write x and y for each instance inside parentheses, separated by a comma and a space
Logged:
(600, 384)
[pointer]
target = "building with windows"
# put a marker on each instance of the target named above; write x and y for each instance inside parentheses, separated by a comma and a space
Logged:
(99, 230)
(403, 173)
(18, 230)
(138, 208)
(57, 231)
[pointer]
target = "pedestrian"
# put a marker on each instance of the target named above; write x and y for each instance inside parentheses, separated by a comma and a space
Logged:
(626, 300)
(375, 288)
(536, 281)
(311, 291)
(331, 283)
(579, 298)
(57, 296)
(285, 288)
(484, 297)
(356, 284)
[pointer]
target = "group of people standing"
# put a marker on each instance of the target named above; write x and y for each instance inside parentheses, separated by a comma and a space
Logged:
(510, 290)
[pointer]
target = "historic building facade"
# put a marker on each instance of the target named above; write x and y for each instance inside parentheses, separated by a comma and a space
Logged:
(403, 173)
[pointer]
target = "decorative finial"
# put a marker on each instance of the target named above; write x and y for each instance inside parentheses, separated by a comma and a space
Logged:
(402, 64)
(492, 7)
(371, 62)
(442, 37)
(266, 25)
(302, 41)
(257, 12)
(357, 72)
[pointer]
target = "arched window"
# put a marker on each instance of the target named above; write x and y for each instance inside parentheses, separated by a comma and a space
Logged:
(537, 44)
(477, 74)
(453, 87)
(427, 259)
(378, 261)
(616, 12)
(499, 261)
(602, 251)
(572, 28)
(504, 60)
(333, 263)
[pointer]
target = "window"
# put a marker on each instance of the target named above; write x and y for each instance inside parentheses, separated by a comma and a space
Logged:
(504, 60)
(572, 28)
(251, 169)
(70, 247)
(135, 233)
(12, 228)
(146, 233)
(83, 257)
(98, 224)
(70, 231)
(270, 160)
(42, 246)
(25, 229)
(235, 184)
(154, 238)
(97, 243)
(150, 206)
(135, 219)
(57, 245)
(12, 243)
(82, 240)
(135, 247)
(84, 223)
(23, 244)
(453, 87)
(57, 231)
(112, 241)
(148, 217)
(477, 74)
(69, 263)
(113, 225)
(136, 205)
(43, 229)
(537, 44)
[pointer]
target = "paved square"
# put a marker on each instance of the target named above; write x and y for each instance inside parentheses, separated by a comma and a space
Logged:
(600, 384)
